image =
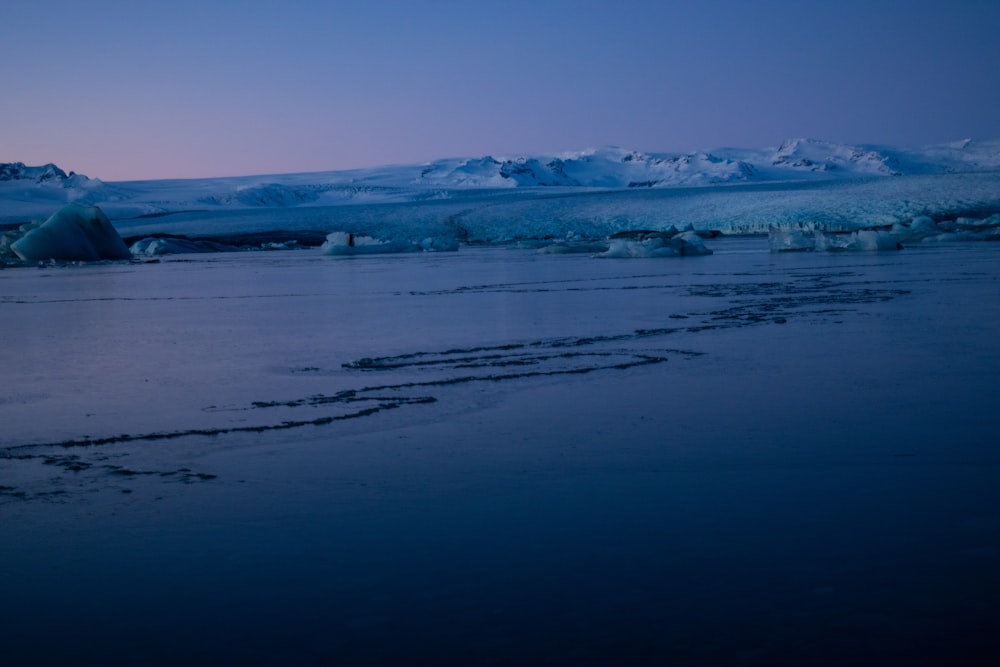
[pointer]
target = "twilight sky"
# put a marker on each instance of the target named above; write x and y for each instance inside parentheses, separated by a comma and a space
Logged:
(119, 89)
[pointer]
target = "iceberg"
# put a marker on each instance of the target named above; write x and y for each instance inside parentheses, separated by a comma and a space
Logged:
(570, 247)
(921, 229)
(73, 233)
(643, 244)
(803, 238)
(164, 245)
(347, 243)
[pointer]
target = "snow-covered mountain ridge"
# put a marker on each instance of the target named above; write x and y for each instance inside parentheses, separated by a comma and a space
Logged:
(32, 192)
(46, 174)
(795, 159)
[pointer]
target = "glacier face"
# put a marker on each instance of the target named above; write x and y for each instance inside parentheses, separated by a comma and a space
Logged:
(516, 215)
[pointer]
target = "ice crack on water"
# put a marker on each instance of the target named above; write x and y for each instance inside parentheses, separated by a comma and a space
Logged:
(423, 377)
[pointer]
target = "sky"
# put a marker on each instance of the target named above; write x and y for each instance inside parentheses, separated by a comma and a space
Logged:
(124, 90)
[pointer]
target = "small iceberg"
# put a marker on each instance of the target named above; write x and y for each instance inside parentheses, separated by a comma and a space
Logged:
(800, 239)
(347, 243)
(921, 229)
(646, 243)
(155, 246)
(573, 247)
(925, 230)
(73, 233)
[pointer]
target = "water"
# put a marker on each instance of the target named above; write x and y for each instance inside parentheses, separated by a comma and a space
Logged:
(497, 457)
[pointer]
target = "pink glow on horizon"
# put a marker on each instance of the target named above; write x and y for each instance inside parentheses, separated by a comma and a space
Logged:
(123, 92)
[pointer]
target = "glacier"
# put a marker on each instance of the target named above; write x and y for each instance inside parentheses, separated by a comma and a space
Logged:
(584, 196)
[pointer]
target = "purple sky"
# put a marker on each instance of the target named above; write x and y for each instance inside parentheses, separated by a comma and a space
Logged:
(127, 90)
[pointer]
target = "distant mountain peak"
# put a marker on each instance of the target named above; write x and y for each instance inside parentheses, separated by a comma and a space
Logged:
(46, 174)
(823, 156)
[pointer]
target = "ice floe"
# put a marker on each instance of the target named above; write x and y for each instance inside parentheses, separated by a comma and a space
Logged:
(348, 243)
(921, 229)
(156, 246)
(643, 244)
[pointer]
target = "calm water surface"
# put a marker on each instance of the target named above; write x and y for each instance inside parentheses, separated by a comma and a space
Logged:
(497, 457)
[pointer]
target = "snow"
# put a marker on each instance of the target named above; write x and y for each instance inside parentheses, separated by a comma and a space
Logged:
(805, 155)
(74, 233)
(31, 192)
(806, 193)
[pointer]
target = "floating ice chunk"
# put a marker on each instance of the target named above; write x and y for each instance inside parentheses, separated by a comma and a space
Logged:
(921, 229)
(918, 229)
(956, 231)
(574, 246)
(155, 246)
(73, 233)
(438, 244)
(642, 244)
(346, 243)
(986, 228)
(6, 239)
(863, 239)
(923, 225)
(801, 239)
(924, 229)
(791, 240)
(150, 247)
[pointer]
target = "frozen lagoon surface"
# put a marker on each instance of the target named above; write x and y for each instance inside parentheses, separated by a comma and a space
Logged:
(498, 457)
